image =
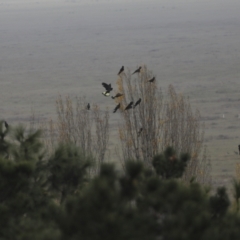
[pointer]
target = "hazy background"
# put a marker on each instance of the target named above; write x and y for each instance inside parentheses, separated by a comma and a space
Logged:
(70, 47)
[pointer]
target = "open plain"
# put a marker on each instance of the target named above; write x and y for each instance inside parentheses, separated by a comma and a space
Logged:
(70, 47)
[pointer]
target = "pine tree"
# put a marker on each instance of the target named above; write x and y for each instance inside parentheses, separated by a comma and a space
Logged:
(68, 170)
(22, 196)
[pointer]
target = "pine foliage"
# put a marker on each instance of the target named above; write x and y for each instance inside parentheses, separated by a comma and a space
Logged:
(58, 197)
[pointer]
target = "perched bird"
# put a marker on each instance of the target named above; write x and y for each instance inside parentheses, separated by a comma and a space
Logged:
(121, 70)
(129, 106)
(139, 132)
(108, 88)
(152, 79)
(117, 95)
(137, 102)
(137, 71)
(116, 108)
(88, 106)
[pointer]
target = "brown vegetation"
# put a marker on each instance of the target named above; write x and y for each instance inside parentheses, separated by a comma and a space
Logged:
(159, 121)
(88, 129)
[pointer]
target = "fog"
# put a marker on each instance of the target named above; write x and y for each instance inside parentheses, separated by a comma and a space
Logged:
(70, 47)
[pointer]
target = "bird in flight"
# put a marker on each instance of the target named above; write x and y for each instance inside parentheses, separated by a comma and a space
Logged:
(137, 102)
(137, 71)
(129, 106)
(116, 108)
(117, 95)
(152, 79)
(121, 70)
(108, 89)
(88, 106)
(106, 94)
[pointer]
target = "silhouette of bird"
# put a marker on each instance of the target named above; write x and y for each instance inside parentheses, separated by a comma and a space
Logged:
(129, 106)
(117, 95)
(137, 71)
(152, 79)
(121, 70)
(139, 132)
(116, 108)
(108, 89)
(88, 106)
(138, 102)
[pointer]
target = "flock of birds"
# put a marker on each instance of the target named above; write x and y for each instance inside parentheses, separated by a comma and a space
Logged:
(108, 89)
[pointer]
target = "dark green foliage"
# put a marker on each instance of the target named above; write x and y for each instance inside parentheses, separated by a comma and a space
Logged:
(21, 191)
(130, 182)
(167, 165)
(27, 146)
(68, 169)
(236, 193)
(219, 203)
(101, 213)
(4, 145)
(57, 198)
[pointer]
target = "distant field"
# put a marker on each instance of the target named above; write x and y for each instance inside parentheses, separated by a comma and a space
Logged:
(64, 47)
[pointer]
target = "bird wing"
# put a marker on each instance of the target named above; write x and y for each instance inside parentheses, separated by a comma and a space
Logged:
(106, 86)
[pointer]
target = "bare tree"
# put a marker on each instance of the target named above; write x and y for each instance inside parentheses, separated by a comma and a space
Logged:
(86, 128)
(140, 131)
(159, 121)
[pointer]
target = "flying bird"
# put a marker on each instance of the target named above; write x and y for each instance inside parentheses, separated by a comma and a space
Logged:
(117, 95)
(129, 106)
(152, 79)
(116, 108)
(88, 106)
(138, 102)
(137, 71)
(108, 88)
(106, 94)
(121, 70)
